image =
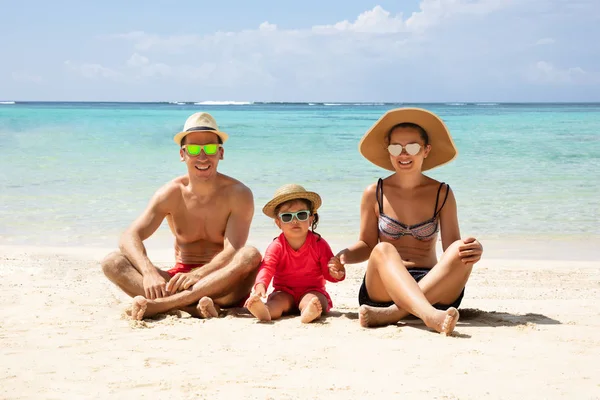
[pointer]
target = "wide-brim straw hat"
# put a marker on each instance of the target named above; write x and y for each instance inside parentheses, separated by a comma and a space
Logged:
(200, 122)
(373, 145)
(291, 192)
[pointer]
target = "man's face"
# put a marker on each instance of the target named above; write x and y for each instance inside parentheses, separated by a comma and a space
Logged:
(202, 165)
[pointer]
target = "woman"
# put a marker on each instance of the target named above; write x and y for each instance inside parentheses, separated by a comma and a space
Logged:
(401, 216)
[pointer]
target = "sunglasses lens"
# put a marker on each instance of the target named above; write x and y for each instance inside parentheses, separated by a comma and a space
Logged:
(210, 149)
(193, 149)
(286, 217)
(302, 215)
(395, 149)
(413, 148)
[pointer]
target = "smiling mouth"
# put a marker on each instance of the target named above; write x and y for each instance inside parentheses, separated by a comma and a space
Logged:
(202, 168)
(406, 162)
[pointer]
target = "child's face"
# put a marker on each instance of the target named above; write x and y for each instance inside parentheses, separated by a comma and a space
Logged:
(294, 228)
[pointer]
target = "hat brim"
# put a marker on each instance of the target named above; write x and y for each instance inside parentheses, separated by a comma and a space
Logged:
(179, 137)
(314, 198)
(373, 144)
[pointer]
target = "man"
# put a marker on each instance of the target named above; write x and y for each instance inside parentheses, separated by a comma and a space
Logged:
(209, 214)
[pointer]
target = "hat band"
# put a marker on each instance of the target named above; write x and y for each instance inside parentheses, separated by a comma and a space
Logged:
(200, 128)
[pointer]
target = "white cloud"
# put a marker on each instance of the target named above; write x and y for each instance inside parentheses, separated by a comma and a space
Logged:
(23, 76)
(376, 20)
(433, 12)
(92, 71)
(137, 60)
(267, 27)
(544, 41)
(447, 49)
(545, 72)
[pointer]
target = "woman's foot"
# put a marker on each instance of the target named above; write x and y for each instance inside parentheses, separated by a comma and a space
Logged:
(369, 316)
(443, 321)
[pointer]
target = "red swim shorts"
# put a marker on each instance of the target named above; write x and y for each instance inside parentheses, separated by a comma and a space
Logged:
(183, 268)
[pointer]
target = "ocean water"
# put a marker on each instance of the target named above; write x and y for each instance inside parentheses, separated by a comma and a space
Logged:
(76, 174)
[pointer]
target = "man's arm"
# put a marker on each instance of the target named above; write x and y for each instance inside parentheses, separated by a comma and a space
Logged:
(132, 246)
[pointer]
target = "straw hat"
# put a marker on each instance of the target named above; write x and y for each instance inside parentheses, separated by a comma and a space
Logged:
(373, 144)
(200, 122)
(291, 192)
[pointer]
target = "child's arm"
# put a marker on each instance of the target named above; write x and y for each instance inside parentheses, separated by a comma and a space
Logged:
(331, 271)
(267, 267)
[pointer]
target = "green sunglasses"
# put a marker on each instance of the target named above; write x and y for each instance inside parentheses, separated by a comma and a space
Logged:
(195, 149)
(287, 217)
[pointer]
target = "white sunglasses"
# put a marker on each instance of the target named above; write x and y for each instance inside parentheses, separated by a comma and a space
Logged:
(412, 149)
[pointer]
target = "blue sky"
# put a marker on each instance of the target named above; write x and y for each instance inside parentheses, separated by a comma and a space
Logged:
(404, 51)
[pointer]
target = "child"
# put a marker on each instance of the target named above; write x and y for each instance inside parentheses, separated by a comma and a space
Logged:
(297, 260)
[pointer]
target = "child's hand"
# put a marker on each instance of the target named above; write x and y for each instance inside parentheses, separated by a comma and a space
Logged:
(336, 267)
(260, 290)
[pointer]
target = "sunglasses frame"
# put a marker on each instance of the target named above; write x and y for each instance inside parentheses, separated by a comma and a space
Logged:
(202, 149)
(294, 215)
(403, 148)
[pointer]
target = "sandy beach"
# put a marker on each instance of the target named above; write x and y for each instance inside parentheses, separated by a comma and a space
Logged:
(528, 329)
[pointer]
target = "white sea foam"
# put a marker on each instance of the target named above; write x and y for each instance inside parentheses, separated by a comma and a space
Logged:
(223, 103)
(7, 102)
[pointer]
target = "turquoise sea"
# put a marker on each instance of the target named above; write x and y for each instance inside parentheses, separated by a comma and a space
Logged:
(76, 174)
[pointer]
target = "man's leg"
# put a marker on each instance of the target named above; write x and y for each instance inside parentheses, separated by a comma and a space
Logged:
(443, 284)
(228, 286)
(119, 270)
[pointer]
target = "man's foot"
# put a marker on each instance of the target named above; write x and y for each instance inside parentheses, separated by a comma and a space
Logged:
(207, 309)
(369, 316)
(138, 308)
(312, 311)
(257, 308)
(444, 321)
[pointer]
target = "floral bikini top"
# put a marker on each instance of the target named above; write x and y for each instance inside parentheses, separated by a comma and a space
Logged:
(394, 230)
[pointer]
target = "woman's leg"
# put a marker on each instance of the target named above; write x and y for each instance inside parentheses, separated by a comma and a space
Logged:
(443, 284)
(387, 277)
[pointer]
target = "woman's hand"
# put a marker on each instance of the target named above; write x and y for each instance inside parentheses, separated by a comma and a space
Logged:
(470, 251)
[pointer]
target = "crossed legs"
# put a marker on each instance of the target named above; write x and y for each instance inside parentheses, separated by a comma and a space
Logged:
(227, 286)
(388, 279)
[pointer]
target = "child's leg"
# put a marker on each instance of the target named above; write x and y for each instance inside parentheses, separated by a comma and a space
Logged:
(312, 305)
(277, 304)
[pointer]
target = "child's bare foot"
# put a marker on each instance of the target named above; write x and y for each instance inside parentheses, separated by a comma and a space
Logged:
(369, 316)
(207, 309)
(138, 307)
(444, 321)
(312, 311)
(257, 308)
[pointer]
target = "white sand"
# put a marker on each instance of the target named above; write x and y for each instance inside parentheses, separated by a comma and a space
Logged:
(529, 330)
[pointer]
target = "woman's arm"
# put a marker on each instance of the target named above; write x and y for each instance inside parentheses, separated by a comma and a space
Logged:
(470, 250)
(449, 228)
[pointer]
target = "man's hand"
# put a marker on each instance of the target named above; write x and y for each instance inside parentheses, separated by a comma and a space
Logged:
(470, 252)
(181, 281)
(336, 266)
(154, 286)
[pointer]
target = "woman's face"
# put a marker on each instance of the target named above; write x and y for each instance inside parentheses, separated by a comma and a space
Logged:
(405, 155)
